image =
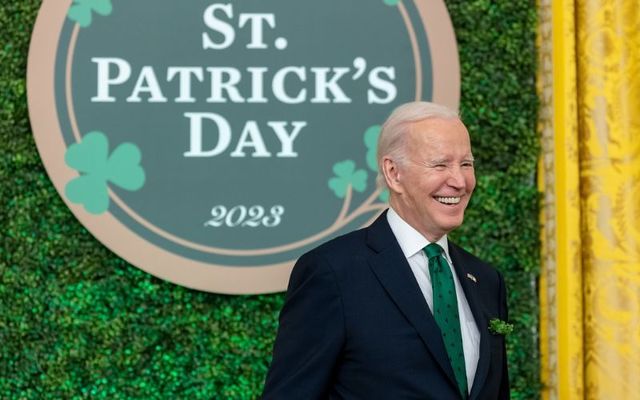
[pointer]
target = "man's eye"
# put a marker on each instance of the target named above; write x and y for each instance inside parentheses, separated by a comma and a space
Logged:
(467, 165)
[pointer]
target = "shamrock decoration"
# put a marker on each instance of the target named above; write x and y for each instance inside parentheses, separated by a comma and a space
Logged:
(384, 196)
(500, 327)
(91, 158)
(371, 136)
(346, 175)
(80, 11)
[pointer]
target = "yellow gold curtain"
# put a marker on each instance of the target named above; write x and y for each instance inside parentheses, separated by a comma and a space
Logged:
(589, 83)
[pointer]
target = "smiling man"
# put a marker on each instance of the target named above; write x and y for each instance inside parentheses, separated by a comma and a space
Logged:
(396, 310)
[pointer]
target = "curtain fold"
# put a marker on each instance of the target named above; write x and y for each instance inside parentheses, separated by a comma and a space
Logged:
(590, 177)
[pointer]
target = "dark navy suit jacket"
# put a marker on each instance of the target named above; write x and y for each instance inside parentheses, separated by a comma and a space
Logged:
(355, 325)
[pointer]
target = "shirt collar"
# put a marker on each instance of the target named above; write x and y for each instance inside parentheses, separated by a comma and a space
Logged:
(410, 240)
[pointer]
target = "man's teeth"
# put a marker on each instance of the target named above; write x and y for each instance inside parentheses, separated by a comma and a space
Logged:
(448, 200)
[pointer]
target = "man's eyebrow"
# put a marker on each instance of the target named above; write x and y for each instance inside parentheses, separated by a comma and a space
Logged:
(443, 160)
(447, 160)
(436, 161)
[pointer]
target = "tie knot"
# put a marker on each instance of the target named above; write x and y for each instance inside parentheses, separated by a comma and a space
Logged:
(433, 250)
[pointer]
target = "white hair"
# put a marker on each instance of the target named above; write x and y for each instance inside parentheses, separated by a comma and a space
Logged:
(391, 142)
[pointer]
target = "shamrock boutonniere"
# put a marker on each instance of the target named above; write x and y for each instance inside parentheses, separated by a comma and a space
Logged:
(500, 327)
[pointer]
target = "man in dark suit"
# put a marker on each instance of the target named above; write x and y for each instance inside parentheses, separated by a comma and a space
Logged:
(395, 310)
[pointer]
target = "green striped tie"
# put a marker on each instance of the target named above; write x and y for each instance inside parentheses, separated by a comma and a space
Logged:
(445, 311)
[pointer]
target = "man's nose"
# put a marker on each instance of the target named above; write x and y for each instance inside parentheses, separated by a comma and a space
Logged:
(456, 178)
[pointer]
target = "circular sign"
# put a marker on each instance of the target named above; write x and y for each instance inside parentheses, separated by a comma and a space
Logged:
(212, 143)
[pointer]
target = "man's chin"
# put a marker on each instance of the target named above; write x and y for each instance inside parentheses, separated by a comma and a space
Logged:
(449, 224)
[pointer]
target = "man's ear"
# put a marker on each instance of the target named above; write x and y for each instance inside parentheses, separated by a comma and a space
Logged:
(391, 172)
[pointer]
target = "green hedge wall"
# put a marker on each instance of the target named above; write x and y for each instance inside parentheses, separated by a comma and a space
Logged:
(78, 322)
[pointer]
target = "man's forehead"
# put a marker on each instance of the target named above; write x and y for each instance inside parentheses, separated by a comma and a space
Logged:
(443, 131)
(436, 124)
(446, 139)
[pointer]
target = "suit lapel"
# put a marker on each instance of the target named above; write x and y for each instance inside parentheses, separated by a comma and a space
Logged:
(392, 270)
(462, 266)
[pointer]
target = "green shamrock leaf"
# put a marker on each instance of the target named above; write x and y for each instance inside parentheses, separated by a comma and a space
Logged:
(346, 175)
(81, 10)
(90, 155)
(123, 169)
(89, 190)
(91, 158)
(371, 136)
(500, 327)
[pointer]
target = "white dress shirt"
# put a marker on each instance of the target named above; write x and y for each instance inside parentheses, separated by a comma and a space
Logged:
(412, 242)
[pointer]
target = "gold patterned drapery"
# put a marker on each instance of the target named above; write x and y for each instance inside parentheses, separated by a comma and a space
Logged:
(589, 84)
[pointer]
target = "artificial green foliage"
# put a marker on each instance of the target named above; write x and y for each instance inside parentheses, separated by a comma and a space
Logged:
(78, 322)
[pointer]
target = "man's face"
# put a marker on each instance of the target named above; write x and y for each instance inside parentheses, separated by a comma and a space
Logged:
(432, 187)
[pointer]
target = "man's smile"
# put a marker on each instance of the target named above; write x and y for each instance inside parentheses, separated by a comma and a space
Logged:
(449, 200)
